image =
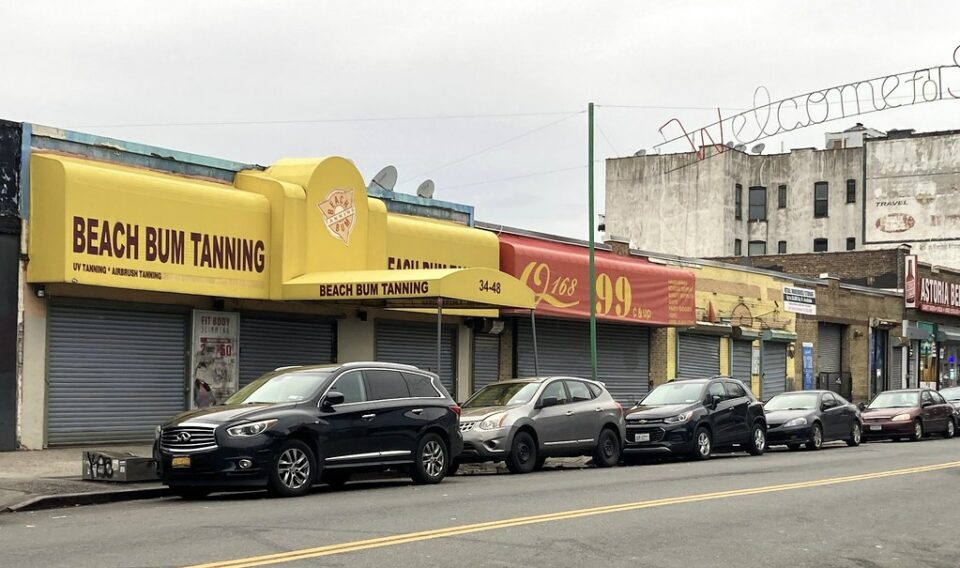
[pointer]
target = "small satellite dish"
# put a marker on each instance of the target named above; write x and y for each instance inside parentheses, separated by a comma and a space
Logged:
(386, 178)
(426, 189)
(639, 153)
(758, 148)
(729, 144)
(740, 147)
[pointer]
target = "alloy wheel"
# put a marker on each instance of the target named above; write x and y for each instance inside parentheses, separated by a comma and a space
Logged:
(759, 439)
(917, 430)
(432, 458)
(857, 433)
(951, 429)
(817, 437)
(703, 443)
(293, 468)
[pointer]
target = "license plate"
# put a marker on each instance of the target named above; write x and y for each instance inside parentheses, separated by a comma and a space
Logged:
(641, 437)
(182, 461)
(876, 427)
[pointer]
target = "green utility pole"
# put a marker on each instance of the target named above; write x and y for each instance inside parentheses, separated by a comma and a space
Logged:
(593, 277)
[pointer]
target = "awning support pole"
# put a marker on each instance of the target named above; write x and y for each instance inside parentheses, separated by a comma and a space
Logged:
(439, 332)
(536, 352)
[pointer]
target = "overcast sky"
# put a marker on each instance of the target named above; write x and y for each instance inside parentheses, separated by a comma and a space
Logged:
(313, 78)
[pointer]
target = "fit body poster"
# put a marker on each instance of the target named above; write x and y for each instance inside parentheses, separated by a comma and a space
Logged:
(214, 364)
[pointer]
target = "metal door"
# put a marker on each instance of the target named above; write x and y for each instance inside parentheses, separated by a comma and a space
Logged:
(623, 354)
(895, 378)
(114, 374)
(698, 356)
(486, 360)
(774, 379)
(415, 343)
(829, 345)
(268, 342)
(741, 361)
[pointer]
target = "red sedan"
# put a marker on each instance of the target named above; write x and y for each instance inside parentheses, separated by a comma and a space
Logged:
(908, 414)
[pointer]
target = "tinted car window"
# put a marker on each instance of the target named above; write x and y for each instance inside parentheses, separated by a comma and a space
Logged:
(420, 386)
(351, 386)
(716, 389)
(385, 385)
(830, 401)
(578, 391)
(734, 390)
(555, 389)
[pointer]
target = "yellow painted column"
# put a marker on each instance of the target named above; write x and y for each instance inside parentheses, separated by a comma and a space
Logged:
(725, 356)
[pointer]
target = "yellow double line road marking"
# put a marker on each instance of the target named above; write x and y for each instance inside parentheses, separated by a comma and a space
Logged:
(395, 540)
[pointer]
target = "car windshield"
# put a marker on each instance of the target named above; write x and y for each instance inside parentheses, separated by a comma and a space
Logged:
(286, 387)
(674, 393)
(805, 401)
(895, 400)
(503, 394)
(952, 394)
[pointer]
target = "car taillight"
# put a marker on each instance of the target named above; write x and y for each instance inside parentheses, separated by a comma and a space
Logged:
(456, 409)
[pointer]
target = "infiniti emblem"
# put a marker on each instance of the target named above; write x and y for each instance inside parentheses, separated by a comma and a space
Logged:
(183, 437)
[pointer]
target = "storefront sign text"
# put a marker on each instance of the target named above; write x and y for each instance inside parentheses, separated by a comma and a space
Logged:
(939, 297)
(374, 289)
(800, 300)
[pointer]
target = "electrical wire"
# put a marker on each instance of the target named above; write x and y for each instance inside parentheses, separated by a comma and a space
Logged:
(521, 176)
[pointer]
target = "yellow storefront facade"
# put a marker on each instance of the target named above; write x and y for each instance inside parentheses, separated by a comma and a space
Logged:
(150, 292)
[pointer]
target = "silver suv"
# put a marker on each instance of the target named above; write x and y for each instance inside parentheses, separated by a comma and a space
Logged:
(524, 421)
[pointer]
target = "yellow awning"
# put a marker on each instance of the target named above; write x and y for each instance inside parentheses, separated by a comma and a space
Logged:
(464, 288)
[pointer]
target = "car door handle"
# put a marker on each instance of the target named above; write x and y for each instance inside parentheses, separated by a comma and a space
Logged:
(569, 413)
(368, 416)
(417, 411)
(598, 409)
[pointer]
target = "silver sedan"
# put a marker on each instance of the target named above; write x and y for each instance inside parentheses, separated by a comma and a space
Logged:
(524, 421)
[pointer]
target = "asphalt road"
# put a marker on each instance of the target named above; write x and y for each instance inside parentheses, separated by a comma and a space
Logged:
(879, 505)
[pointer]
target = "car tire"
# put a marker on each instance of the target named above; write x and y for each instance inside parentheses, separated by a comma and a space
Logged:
(758, 440)
(430, 461)
(951, 429)
(191, 493)
(294, 470)
(702, 444)
(540, 461)
(794, 447)
(816, 437)
(523, 454)
(335, 478)
(856, 435)
(917, 431)
(607, 452)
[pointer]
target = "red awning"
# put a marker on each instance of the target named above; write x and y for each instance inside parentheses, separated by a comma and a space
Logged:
(629, 289)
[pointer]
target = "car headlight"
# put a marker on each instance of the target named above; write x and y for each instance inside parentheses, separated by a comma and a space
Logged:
(493, 421)
(680, 418)
(901, 418)
(795, 422)
(250, 429)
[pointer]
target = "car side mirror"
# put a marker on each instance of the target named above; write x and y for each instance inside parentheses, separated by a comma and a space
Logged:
(548, 401)
(862, 406)
(715, 400)
(333, 398)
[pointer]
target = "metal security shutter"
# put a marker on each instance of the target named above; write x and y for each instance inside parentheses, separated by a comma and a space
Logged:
(267, 343)
(113, 374)
(623, 354)
(741, 360)
(486, 360)
(415, 343)
(895, 378)
(774, 370)
(698, 356)
(829, 341)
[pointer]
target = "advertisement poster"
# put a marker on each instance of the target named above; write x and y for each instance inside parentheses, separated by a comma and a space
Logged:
(910, 281)
(800, 300)
(807, 366)
(214, 358)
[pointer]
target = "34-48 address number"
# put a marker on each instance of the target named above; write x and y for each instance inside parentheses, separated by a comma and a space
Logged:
(488, 286)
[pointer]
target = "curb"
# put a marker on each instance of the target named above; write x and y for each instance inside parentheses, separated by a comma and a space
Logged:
(41, 502)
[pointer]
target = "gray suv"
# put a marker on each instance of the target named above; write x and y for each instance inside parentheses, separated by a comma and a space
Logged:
(524, 421)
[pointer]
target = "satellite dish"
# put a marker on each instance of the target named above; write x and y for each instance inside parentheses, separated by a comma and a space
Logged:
(740, 147)
(758, 148)
(639, 153)
(729, 144)
(426, 189)
(386, 178)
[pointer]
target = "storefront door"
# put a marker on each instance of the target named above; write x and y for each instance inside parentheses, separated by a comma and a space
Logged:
(415, 343)
(741, 359)
(698, 356)
(268, 342)
(774, 370)
(486, 359)
(878, 359)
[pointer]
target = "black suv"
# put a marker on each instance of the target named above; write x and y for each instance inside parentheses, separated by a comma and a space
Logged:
(696, 416)
(296, 426)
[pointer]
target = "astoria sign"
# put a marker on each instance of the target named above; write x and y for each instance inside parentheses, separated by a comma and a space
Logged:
(773, 117)
(929, 294)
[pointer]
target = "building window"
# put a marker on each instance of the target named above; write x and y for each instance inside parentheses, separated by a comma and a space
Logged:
(737, 247)
(782, 247)
(758, 204)
(738, 199)
(781, 197)
(851, 191)
(819, 245)
(851, 243)
(756, 248)
(820, 198)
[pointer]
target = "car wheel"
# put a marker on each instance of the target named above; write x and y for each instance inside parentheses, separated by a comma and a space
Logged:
(816, 437)
(794, 447)
(758, 440)
(431, 460)
(856, 435)
(523, 454)
(951, 430)
(540, 461)
(190, 493)
(917, 431)
(607, 453)
(294, 470)
(335, 478)
(702, 444)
